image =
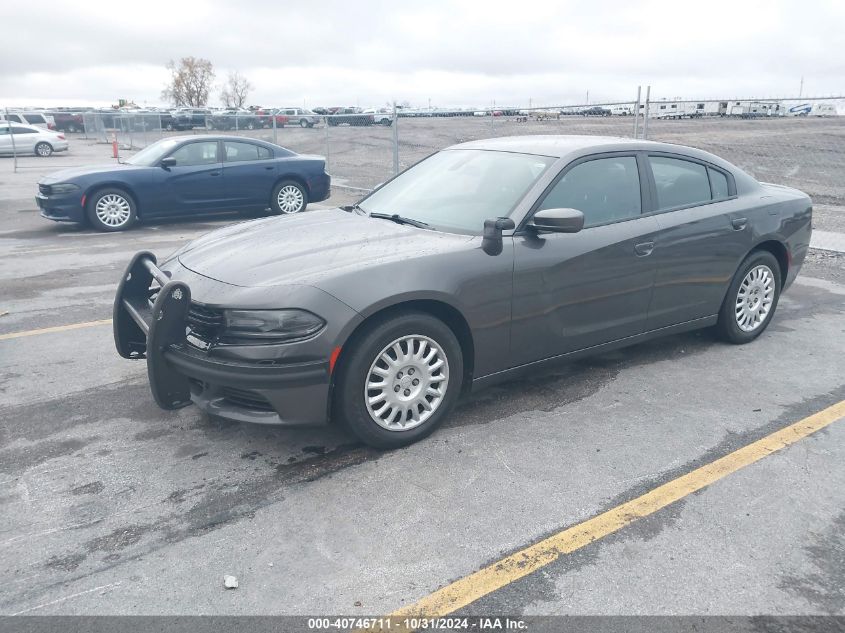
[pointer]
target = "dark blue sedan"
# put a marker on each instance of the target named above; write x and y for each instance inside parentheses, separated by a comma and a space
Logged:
(185, 176)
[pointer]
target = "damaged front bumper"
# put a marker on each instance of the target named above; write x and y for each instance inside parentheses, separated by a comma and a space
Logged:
(153, 319)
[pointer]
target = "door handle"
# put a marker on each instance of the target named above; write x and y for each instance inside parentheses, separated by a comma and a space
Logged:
(269, 167)
(739, 223)
(214, 173)
(644, 249)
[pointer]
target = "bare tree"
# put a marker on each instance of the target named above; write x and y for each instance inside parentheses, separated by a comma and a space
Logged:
(235, 91)
(190, 82)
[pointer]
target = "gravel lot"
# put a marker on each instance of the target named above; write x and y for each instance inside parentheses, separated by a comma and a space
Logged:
(110, 505)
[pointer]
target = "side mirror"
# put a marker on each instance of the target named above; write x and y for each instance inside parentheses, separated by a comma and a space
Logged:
(167, 162)
(557, 221)
(492, 242)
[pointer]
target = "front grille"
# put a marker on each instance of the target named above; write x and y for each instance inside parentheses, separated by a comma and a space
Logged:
(204, 321)
(246, 399)
(45, 189)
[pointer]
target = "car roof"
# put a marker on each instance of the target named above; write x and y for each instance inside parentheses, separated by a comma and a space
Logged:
(558, 146)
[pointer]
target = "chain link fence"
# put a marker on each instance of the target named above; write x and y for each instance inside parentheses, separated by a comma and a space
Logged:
(792, 141)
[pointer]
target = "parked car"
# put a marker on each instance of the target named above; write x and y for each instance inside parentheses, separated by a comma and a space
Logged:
(233, 119)
(594, 111)
(299, 116)
(381, 116)
(38, 119)
(20, 138)
(187, 175)
(349, 116)
(189, 118)
(266, 116)
(480, 263)
(68, 121)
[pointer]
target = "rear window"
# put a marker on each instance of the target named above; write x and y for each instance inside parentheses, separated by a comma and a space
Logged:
(718, 184)
(34, 118)
(679, 182)
(236, 152)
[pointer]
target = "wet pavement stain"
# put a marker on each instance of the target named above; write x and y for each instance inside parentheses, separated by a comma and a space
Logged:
(95, 487)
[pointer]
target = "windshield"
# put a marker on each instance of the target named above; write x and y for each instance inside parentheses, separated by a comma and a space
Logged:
(149, 156)
(456, 190)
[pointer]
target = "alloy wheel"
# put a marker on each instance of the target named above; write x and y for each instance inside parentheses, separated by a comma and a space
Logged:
(290, 199)
(113, 210)
(754, 298)
(406, 382)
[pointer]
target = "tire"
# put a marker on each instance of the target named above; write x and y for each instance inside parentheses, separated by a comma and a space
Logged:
(288, 197)
(417, 335)
(43, 149)
(250, 125)
(71, 128)
(111, 210)
(169, 127)
(303, 123)
(756, 284)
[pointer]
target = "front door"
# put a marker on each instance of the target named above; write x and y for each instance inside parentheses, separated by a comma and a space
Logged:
(574, 291)
(195, 184)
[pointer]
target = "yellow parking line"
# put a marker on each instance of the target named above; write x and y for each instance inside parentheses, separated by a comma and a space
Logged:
(51, 330)
(505, 571)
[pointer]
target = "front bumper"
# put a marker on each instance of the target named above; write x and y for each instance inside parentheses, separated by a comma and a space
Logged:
(264, 391)
(67, 208)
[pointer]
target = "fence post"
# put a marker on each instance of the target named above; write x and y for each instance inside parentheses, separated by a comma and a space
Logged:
(492, 120)
(326, 122)
(14, 149)
(637, 112)
(395, 140)
(645, 120)
(275, 139)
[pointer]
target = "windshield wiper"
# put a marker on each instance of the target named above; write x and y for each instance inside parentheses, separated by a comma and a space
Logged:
(400, 220)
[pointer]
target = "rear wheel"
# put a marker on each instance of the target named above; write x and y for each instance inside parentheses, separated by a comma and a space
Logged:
(751, 300)
(289, 197)
(43, 149)
(400, 380)
(111, 210)
(303, 122)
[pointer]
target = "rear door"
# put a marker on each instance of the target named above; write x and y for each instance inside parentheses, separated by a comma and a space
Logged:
(250, 174)
(573, 291)
(194, 184)
(703, 234)
(5, 139)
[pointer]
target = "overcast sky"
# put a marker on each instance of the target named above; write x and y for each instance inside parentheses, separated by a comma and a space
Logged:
(322, 52)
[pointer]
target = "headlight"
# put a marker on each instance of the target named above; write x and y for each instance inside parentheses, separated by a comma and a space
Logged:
(64, 187)
(282, 326)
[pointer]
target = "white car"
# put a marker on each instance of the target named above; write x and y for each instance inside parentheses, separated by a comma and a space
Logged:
(19, 138)
(381, 116)
(37, 119)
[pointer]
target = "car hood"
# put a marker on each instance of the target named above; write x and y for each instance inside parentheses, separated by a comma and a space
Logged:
(309, 248)
(76, 172)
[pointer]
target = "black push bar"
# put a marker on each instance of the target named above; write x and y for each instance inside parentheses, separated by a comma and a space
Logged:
(144, 328)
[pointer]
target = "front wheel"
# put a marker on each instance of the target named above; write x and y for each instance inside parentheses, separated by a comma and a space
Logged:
(400, 380)
(751, 300)
(289, 197)
(43, 149)
(303, 123)
(111, 210)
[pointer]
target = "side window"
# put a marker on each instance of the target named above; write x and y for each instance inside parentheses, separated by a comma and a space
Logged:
(604, 190)
(14, 117)
(203, 153)
(34, 118)
(236, 151)
(718, 184)
(4, 131)
(23, 130)
(679, 182)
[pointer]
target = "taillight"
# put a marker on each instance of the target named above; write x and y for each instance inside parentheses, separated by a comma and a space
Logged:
(62, 136)
(50, 126)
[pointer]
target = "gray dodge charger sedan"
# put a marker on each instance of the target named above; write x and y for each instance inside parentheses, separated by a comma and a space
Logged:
(482, 261)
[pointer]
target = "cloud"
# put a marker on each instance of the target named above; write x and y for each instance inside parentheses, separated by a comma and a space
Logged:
(471, 52)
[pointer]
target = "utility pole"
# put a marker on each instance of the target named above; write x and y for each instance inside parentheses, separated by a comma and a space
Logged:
(801, 87)
(587, 102)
